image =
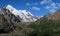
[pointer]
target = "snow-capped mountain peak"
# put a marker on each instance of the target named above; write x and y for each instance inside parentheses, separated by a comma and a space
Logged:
(25, 15)
(25, 12)
(12, 9)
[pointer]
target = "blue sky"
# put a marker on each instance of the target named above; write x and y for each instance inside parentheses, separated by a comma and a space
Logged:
(36, 7)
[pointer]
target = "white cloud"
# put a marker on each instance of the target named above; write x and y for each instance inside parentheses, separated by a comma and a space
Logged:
(35, 8)
(59, 4)
(45, 1)
(42, 2)
(31, 4)
(52, 10)
(47, 7)
(28, 4)
(53, 7)
(53, 4)
(50, 5)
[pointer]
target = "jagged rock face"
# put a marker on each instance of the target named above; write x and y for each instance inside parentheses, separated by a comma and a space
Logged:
(8, 21)
(4, 26)
(1, 21)
(9, 16)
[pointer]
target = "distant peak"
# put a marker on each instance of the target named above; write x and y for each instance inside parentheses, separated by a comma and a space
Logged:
(9, 7)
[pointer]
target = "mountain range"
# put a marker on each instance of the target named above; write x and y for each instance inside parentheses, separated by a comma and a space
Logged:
(25, 15)
(10, 18)
(14, 22)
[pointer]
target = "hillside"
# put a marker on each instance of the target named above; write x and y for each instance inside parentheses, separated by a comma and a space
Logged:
(48, 25)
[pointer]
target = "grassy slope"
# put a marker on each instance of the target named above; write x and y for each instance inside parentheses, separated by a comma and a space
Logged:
(46, 27)
(42, 27)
